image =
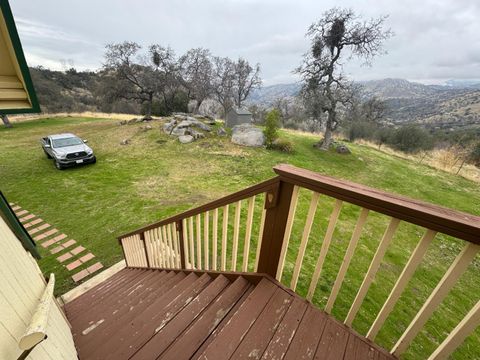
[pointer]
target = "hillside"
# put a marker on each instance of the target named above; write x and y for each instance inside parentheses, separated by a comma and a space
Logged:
(455, 105)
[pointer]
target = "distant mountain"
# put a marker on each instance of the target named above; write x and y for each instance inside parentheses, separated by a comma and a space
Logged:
(268, 94)
(455, 104)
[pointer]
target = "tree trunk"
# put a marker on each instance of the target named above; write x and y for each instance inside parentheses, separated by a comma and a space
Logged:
(6, 122)
(148, 114)
(327, 137)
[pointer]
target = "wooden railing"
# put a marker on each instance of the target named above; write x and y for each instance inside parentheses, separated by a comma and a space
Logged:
(267, 228)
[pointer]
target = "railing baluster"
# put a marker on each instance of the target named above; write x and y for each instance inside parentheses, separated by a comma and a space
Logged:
(199, 242)
(401, 283)
(248, 233)
(215, 239)
(188, 264)
(346, 260)
(260, 237)
(146, 243)
(441, 290)
(236, 233)
(171, 245)
(303, 244)
(134, 251)
(161, 248)
(166, 249)
(372, 270)
(464, 328)
(175, 245)
(288, 231)
(206, 254)
(190, 240)
(324, 249)
(224, 238)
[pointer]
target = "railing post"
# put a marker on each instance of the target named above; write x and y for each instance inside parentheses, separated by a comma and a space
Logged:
(277, 205)
(142, 237)
(182, 245)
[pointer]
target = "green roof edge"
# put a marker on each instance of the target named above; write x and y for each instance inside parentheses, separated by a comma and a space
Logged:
(17, 46)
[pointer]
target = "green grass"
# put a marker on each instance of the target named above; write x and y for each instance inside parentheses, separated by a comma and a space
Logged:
(155, 177)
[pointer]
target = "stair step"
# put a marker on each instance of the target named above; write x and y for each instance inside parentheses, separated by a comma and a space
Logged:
(161, 315)
(240, 323)
(124, 331)
(168, 331)
(207, 322)
(115, 319)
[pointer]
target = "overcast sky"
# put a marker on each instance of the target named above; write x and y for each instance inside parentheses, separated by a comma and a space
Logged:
(434, 40)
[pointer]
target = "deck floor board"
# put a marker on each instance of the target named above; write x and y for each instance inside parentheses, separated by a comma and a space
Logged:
(161, 314)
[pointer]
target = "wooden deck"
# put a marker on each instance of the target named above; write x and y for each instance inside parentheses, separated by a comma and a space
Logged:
(155, 314)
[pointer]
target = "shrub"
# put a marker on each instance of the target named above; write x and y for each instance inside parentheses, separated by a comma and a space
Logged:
(411, 139)
(272, 121)
(361, 130)
(282, 145)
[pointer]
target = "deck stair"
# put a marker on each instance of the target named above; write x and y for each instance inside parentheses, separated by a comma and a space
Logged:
(166, 314)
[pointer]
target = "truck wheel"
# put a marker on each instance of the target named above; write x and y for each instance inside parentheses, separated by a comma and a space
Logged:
(48, 155)
(59, 166)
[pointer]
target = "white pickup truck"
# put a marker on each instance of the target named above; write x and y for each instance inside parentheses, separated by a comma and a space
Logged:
(67, 150)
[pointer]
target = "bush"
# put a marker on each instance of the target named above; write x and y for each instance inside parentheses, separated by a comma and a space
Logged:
(411, 139)
(282, 145)
(361, 130)
(272, 121)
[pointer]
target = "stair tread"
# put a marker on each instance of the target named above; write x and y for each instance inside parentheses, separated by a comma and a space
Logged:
(171, 314)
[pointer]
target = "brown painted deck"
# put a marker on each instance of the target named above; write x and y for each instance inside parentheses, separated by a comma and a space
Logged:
(155, 314)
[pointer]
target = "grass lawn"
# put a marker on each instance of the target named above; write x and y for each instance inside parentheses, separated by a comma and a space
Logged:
(155, 177)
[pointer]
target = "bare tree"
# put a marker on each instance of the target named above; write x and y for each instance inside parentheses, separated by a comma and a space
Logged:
(246, 79)
(197, 75)
(223, 82)
(167, 74)
(130, 80)
(340, 33)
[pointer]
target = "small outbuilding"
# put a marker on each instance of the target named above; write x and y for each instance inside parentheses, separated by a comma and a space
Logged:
(237, 116)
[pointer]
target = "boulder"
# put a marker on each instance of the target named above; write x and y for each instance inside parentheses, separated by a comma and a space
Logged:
(185, 139)
(342, 149)
(222, 132)
(247, 135)
(146, 127)
(196, 134)
(125, 142)
(179, 131)
(132, 121)
(123, 122)
(199, 124)
(168, 127)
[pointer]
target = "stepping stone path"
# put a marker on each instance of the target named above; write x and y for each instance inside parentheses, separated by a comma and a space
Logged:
(70, 254)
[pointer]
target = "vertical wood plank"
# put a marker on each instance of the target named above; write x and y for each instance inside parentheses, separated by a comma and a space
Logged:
(450, 278)
(464, 328)
(372, 270)
(224, 238)
(215, 239)
(170, 245)
(260, 237)
(405, 276)
(303, 244)
(324, 249)
(175, 246)
(190, 241)
(347, 259)
(188, 264)
(288, 231)
(199, 242)
(236, 233)
(166, 249)
(248, 233)
(206, 240)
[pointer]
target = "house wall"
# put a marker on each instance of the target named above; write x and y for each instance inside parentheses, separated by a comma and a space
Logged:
(21, 287)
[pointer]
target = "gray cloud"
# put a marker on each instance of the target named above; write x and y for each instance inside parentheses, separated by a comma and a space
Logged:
(434, 39)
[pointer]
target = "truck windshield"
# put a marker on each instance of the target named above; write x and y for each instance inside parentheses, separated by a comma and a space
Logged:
(58, 143)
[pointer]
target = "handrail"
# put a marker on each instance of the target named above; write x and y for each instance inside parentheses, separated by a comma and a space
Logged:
(199, 238)
(265, 186)
(448, 221)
